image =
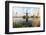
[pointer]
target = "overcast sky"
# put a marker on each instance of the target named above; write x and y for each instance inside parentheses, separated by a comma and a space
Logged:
(22, 10)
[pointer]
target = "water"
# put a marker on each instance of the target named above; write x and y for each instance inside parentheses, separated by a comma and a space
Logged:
(21, 20)
(32, 22)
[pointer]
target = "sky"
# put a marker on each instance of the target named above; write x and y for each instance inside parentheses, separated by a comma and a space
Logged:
(22, 10)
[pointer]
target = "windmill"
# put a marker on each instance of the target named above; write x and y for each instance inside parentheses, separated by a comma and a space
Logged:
(26, 14)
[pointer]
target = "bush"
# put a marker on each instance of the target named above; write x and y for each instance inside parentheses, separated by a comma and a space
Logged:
(32, 16)
(24, 17)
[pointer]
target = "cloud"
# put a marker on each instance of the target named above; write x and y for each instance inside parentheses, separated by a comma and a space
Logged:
(20, 11)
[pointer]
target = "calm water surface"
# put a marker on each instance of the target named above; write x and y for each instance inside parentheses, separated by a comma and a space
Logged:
(20, 20)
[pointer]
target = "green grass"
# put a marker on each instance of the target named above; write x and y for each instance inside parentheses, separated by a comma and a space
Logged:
(19, 25)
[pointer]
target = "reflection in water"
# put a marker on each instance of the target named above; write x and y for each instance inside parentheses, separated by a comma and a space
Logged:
(32, 22)
(18, 20)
